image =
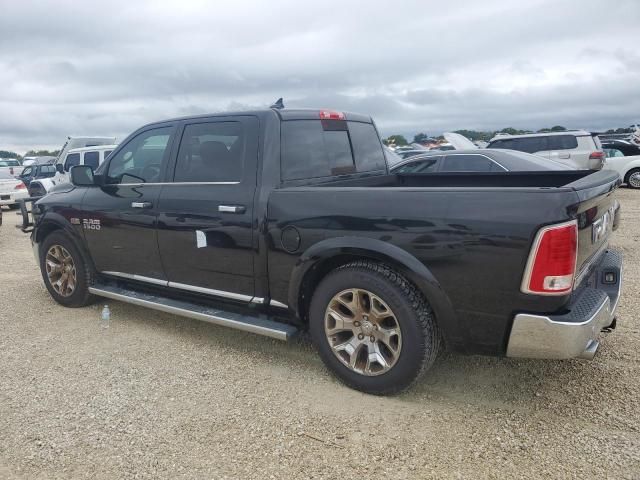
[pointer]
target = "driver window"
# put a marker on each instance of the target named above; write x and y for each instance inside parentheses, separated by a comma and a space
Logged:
(139, 161)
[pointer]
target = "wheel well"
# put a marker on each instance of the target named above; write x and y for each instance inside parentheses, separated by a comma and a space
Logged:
(47, 229)
(321, 269)
(629, 172)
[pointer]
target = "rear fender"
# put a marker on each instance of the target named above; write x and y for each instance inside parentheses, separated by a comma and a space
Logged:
(377, 250)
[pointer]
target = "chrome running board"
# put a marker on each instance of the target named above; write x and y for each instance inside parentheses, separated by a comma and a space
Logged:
(260, 324)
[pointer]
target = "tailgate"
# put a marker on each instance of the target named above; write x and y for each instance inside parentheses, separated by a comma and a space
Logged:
(597, 213)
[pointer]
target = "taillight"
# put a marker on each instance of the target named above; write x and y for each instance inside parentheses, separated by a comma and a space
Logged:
(551, 266)
(331, 115)
(598, 155)
(20, 186)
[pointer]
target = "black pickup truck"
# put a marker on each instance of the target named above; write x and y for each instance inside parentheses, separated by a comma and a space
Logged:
(280, 221)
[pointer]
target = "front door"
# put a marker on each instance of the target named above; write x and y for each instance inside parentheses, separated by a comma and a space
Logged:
(205, 224)
(120, 217)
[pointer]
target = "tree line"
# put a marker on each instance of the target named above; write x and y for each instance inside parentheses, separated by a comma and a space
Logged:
(30, 153)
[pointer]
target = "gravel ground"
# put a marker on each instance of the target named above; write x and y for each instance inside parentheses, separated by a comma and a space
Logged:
(157, 396)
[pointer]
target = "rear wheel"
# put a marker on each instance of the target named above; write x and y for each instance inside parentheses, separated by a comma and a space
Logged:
(632, 178)
(372, 328)
(65, 273)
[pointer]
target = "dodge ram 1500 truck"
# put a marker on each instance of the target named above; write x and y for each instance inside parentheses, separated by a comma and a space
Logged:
(280, 221)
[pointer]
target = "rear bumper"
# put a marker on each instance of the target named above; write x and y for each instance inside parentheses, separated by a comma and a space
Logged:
(13, 197)
(573, 333)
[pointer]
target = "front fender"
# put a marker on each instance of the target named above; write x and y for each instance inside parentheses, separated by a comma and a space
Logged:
(377, 250)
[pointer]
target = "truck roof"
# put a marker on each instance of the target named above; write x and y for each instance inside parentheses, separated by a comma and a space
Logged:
(283, 114)
(92, 149)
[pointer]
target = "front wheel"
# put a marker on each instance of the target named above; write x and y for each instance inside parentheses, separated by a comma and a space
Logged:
(64, 271)
(372, 328)
(632, 178)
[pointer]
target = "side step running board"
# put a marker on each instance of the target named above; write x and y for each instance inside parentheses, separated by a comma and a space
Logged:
(260, 324)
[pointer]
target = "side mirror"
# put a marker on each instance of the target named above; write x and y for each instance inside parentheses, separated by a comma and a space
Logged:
(60, 168)
(82, 176)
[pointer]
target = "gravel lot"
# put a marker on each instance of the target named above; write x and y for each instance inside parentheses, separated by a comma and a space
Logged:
(157, 396)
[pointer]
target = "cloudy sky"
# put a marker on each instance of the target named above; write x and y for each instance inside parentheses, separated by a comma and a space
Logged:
(78, 67)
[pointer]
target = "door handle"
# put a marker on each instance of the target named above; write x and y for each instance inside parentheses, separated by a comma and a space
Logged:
(232, 208)
(564, 155)
(141, 204)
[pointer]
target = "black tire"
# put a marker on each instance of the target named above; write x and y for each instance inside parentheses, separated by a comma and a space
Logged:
(420, 333)
(80, 296)
(626, 178)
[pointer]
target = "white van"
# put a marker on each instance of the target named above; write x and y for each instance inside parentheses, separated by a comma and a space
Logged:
(92, 156)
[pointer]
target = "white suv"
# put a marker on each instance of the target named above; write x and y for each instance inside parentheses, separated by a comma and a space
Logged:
(575, 148)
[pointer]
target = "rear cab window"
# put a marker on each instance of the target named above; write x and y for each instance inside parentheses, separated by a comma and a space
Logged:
(314, 149)
(92, 159)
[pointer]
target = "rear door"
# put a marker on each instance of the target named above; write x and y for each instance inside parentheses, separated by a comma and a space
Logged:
(119, 218)
(205, 228)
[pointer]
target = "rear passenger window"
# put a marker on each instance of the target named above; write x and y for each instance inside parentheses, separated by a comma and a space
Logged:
(211, 152)
(92, 159)
(466, 163)
(72, 160)
(309, 151)
(531, 144)
(562, 142)
(367, 149)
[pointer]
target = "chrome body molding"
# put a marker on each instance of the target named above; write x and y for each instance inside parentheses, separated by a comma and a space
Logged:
(139, 278)
(575, 333)
(275, 303)
(190, 288)
(211, 291)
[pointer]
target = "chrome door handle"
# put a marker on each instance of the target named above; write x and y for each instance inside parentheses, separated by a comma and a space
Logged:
(141, 204)
(232, 208)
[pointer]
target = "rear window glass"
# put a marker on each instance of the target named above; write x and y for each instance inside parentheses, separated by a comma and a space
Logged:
(92, 159)
(466, 163)
(310, 150)
(366, 147)
(562, 142)
(45, 169)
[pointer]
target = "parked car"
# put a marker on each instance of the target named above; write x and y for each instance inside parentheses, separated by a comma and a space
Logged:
(276, 221)
(623, 157)
(576, 148)
(11, 190)
(410, 153)
(41, 187)
(92, 156)
(10, 166)
(476, 160)
(37, 172)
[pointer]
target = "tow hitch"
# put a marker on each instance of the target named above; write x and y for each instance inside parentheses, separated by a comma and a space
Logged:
(611, 327)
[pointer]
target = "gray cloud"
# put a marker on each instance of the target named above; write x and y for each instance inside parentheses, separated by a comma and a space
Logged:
(84, 68)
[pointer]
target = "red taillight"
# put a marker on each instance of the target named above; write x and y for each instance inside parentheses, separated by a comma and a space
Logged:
(597, 155)
(20, 186)
(551, 266)
(331, 115)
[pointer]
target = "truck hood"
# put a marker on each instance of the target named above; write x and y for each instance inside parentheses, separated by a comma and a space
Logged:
(459, 142)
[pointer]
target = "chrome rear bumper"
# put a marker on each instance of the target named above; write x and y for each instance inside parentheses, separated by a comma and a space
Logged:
(572, 334)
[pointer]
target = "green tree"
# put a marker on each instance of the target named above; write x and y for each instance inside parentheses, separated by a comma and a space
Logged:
(397, 140)
(558, 128)
(420, 137)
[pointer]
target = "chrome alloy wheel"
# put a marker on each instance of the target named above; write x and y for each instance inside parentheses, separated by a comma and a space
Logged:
(634, 180)
(363, 332)
(61, 270)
